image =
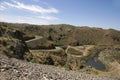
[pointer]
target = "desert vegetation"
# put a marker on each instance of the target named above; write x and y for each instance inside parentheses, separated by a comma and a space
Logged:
(65, 46)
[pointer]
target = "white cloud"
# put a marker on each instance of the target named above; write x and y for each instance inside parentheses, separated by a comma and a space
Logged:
(2, 7)
(34, 8)
(21, 19)
(38, 14)
(50, 18)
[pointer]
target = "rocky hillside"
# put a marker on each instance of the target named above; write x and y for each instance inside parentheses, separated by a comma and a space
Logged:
(88, 50)
(69, 35)
(12, 43)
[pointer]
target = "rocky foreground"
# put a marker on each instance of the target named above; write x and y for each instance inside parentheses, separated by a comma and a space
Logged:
(13, 69)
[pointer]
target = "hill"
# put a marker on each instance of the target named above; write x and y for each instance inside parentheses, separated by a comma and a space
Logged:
(63, 34)
(90, 50)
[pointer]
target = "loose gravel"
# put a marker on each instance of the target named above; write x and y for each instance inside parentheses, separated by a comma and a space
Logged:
(13, 69)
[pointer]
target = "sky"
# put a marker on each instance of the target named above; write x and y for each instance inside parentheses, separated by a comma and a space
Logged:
(93, 13)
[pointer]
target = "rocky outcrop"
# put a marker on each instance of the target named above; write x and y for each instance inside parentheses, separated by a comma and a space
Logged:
(12, 44)
(14, 48)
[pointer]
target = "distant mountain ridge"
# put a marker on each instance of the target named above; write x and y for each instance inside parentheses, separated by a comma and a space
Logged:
(64, 34)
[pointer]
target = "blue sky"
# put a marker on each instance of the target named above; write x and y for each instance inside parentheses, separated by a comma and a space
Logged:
(94, 13)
